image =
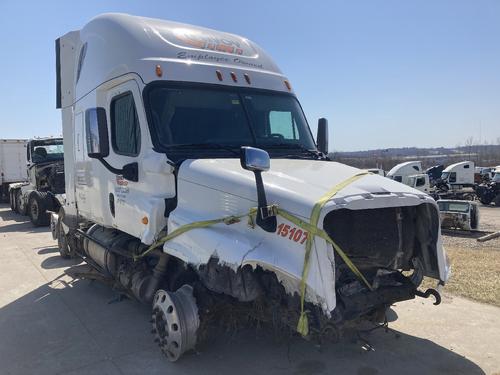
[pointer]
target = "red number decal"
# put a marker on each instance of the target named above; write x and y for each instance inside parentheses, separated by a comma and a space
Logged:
(293, 233)
(284, 231)
(297, 235)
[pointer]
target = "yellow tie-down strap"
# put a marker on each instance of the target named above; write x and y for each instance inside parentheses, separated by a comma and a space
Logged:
(311, 227)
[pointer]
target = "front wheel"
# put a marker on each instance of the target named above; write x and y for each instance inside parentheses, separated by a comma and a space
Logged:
(37, 209)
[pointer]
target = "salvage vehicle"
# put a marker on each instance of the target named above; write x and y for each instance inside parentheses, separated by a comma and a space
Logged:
(193, 180)
(490, 192)
(457, 214)
(401, 172)
(420, 182)
(36, 196)
(12, 164)
(434, 173)
(459, 175)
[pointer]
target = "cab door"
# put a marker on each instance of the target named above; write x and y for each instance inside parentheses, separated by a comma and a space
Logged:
(125, 139)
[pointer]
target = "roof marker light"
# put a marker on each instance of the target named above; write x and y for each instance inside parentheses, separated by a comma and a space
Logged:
(219, 75)
(233, 76)
(158, 70)
(287, 84)
(247, 78)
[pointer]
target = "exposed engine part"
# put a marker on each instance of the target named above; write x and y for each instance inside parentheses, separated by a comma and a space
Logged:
(50, 176)
(396, 236)
(175, 321)
(242, 285)
(112, 252)
(418, 272)
(428, 293)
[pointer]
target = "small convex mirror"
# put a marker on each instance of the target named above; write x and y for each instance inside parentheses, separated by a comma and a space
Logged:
(254, 159)
(96, 131)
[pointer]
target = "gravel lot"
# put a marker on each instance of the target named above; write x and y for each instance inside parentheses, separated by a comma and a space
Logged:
(52, 324)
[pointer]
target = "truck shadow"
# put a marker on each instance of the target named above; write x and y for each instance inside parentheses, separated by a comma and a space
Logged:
(75, 325)
(17, 222)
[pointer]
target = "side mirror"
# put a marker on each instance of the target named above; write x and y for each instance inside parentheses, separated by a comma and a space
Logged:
(96, 133)
(254, 159)
(131, 172)
(322, 136)
(258, 161)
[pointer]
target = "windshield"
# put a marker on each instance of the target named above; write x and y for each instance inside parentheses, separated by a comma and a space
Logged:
(444, 175)
(45, 151)
(454, 206)
(201, 117)
(496, 177)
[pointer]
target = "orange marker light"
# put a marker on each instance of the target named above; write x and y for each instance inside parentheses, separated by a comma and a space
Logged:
(145, 220)
(233, 76)
(287, 84)
(219, 75)
(247, 78)
(159, 71)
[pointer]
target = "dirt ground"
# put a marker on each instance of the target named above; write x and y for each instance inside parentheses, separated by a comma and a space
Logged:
(52, 324)
(475, 265)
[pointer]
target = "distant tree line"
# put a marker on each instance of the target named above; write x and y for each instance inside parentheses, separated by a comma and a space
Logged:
(486, 154)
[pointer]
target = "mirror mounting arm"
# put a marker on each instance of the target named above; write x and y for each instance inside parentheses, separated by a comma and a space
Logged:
(129, 171)
(257, 161)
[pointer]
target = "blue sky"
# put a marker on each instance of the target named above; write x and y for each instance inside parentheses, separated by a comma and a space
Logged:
(384, 73)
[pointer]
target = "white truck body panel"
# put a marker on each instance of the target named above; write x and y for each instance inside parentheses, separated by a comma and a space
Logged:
(13, 160)
(293, 185)
(420, 182)
(401, 172)
(459, 173)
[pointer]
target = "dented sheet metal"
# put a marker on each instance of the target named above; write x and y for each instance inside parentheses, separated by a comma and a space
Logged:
(224, 189)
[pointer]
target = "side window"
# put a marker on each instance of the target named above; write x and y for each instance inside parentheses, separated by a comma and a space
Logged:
(96, 133)
(466, 166)
(398, 178)
(125, 130)
(420, 181)
(453, 177)
(282, 123)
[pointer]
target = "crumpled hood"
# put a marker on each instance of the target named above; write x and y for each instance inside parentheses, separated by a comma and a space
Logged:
(296, 184)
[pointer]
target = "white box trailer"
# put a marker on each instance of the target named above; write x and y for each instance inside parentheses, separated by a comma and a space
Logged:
(13, 167)
(168, 129)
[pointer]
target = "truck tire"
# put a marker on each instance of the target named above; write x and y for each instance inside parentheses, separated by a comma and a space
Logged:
(20, 209)
(62, 242)
(485, 201)
(12, 200)
(37, 206)
(497, 200)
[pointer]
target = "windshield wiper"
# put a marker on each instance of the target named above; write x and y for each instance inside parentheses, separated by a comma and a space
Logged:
(214, 146)
(297, 146)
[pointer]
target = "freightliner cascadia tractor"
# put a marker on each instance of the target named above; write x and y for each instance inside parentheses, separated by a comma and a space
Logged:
(37, 196)
(193, 179)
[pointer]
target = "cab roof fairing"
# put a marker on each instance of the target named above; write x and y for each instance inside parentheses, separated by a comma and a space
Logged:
(117, 44)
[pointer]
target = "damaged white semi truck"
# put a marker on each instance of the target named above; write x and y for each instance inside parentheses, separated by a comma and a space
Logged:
(192, 179)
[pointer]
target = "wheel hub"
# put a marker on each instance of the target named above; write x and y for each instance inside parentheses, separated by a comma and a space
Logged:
(175, 321)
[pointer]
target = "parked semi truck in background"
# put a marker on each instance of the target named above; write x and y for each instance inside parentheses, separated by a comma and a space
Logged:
(45, 178)
(12, 164)
(410, 173)
(169, 130)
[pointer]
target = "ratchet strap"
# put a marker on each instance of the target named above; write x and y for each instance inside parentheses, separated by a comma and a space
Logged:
(311, 228)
